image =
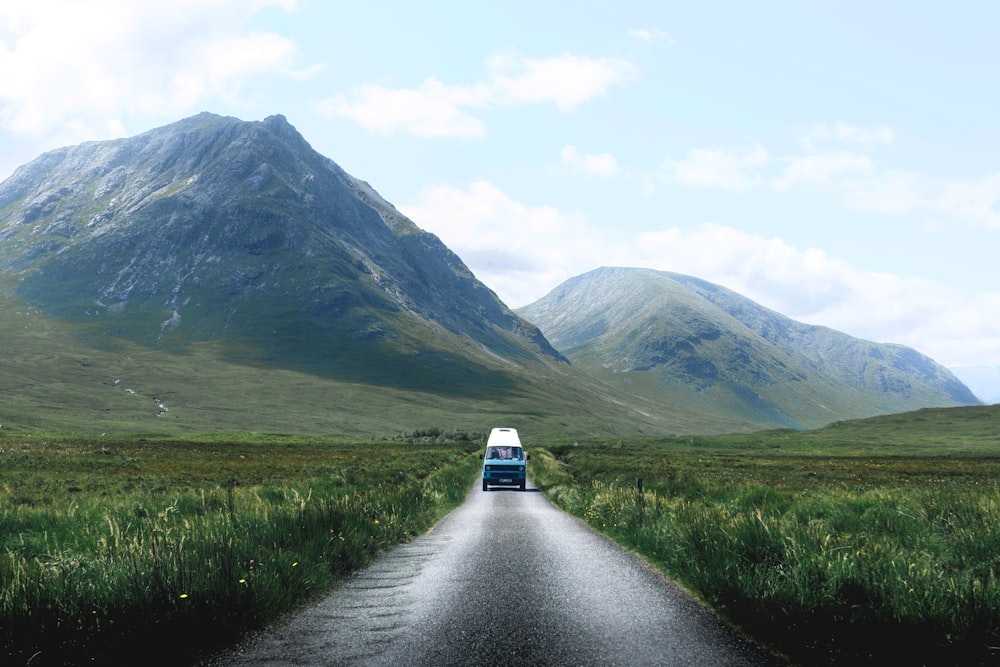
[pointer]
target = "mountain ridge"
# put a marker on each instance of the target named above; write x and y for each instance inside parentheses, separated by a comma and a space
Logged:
(672, 337)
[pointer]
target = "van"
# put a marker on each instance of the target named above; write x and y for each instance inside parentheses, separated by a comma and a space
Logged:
(504, 463)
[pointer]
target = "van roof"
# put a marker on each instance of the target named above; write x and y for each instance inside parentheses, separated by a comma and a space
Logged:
(504, 437)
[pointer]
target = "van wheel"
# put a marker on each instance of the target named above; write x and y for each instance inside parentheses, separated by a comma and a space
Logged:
(522, 485)
(485, 486)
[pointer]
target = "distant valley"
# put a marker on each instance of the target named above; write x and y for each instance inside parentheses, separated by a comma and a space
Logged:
(984, 381)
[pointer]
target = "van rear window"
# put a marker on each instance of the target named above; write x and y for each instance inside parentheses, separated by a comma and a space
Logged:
(505, 453)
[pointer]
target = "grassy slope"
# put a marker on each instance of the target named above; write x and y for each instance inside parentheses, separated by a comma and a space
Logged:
(51, 380)
(942, 432)
(682, 341)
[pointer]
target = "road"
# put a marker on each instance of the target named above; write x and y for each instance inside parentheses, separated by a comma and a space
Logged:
(506, 579)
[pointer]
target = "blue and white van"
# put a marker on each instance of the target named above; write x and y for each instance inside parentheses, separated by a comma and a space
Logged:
(504, 463)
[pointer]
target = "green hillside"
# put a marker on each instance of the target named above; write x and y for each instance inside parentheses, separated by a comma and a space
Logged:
(685, 342)
(56, 376)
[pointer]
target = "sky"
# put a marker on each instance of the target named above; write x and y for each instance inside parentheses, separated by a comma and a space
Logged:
(837, 162)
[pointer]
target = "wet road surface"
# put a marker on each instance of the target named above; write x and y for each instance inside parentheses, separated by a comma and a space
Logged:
(506, 579)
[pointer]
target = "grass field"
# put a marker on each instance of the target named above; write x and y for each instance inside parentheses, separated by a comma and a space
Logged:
(869, 542)
(114, 550)
(862, 543)
(60, 377)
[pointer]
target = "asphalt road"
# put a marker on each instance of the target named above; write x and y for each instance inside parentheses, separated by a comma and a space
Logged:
(506, 579)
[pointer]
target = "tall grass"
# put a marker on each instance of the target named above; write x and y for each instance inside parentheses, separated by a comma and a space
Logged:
(826, 573)
(107, 575)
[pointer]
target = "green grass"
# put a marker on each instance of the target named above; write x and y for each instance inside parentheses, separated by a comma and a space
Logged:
(864, 543)
(58, 377)
(112, 550)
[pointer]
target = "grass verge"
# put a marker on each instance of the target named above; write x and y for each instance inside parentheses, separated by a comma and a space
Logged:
(115, 550)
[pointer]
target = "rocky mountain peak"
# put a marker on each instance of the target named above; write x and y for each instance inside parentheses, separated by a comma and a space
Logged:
(217, 229)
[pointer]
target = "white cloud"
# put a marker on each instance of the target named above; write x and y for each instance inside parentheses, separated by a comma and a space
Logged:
(766, 270)
(977, 203)
(433, 110)
(223, 66)
(518, 250)
(714, 168)
(601, 164)
(892, 192)
(973, 204)
(566, 80)
(740, 170)
(650, 36)
(821, 169)
(436, 109)
(819, 134)
(851, 176)
(70, 64)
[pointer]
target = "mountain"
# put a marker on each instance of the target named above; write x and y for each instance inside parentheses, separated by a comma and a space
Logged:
(984, 381)
(686, 342)
(233, 251)
(214, 228)
(221, 275)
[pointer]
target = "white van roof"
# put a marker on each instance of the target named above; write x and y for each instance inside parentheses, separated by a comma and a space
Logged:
(503, 437)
